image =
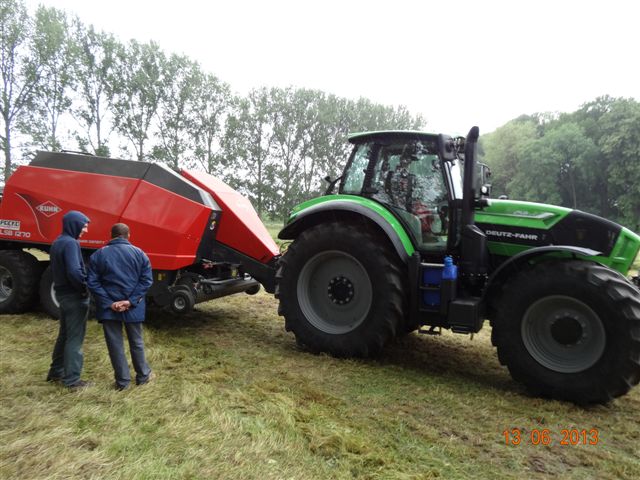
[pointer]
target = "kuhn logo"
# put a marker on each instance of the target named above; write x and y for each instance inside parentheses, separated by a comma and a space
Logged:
(48, 209)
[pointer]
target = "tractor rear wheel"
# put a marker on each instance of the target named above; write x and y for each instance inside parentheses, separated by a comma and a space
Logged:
(19, 274)
(341, 290)
(567, 330)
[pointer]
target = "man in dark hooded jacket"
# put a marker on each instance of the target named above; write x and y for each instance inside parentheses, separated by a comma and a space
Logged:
(70, 285)
(119, 277)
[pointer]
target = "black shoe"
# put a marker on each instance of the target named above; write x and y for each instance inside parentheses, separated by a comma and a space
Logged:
(120, 387)
(79, 385)
(53, 378)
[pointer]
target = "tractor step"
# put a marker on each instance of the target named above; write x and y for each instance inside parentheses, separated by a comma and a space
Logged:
(431, 331)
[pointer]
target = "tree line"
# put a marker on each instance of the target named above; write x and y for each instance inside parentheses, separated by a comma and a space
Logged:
(68, 86)
(588, 159)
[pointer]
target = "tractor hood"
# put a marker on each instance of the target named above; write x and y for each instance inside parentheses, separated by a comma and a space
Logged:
(512, 226)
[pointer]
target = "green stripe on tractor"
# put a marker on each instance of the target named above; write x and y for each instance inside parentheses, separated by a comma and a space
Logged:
(521, 214)
(365, 202)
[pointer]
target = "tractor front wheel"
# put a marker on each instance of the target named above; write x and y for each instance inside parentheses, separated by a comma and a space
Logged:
(567, 330)
(341, 290)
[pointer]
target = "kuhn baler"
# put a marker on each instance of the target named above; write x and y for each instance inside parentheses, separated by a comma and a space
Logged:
(203, 238)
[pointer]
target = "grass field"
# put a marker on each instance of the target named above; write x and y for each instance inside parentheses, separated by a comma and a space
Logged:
(235, 398)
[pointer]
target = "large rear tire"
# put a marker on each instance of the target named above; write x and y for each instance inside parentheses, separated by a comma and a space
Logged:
(19, 274)
(341, 290)
(568, 330)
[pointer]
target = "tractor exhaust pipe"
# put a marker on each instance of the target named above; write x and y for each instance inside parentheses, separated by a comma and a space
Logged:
(474, 261)
(469, 180)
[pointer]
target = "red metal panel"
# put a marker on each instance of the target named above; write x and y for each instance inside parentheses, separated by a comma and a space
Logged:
(39, 197)
(167, 226)
(240, 227)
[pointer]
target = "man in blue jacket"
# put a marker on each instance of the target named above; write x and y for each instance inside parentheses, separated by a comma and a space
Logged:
(70, 286)
(119, 277)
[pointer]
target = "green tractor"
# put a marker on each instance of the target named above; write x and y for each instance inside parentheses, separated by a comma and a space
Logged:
(411, 241)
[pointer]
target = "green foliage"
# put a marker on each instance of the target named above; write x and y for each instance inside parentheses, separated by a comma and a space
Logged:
(53, 51)
(137, 94)
(586, 160)
(95, 73)
(20, 73)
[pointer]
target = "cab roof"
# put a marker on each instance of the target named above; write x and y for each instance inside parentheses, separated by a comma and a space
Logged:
(392, 135)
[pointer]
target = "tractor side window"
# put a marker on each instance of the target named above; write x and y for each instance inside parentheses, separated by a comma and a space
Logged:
(354, 178)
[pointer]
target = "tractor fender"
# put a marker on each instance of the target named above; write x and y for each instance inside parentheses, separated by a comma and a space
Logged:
(519, 260)
(330, 210)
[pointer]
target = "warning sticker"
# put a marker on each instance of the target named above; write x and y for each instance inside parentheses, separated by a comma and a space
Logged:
(10, 224)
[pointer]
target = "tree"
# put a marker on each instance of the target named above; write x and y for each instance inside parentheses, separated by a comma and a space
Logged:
(53, 51)
(20, 74)
(557, 168)
(620, 147)
(175, 112)
(212, 104)
(293, 114)
(95, 74)
(138, 92)
(248, 140)
(504, 150)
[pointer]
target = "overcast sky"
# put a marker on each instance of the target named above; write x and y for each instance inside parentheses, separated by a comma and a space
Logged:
(458, 63)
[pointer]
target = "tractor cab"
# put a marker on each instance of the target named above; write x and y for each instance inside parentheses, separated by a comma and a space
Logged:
(406, 172)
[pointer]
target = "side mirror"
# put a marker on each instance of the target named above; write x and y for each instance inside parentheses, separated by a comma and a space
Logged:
(482, 178)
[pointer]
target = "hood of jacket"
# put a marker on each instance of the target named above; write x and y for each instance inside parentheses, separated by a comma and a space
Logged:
(73, 222)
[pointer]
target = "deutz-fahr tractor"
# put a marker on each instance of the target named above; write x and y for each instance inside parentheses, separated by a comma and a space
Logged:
(411, 241)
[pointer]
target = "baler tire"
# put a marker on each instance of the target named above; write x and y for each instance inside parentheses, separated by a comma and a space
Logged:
(19, 274)
(568, 330)
(355, 311)
(48, 301)
(182, 300)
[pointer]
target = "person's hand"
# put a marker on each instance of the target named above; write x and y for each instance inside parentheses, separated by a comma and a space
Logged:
(121, 306)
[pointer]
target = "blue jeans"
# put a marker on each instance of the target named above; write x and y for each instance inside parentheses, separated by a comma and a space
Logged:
(115, 345)
(67, 357)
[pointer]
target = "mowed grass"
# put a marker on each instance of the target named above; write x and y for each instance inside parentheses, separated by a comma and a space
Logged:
(235, 398)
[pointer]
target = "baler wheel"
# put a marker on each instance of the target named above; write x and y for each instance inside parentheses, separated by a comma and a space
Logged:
(341, 290)
(568, 330)
(48, 299)
(19, 274)
(182, 300)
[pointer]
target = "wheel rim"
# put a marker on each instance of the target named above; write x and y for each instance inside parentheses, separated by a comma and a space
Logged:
(179, 303)
(53, 296)
(334, 292)
(563, 334)
(6, 284)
